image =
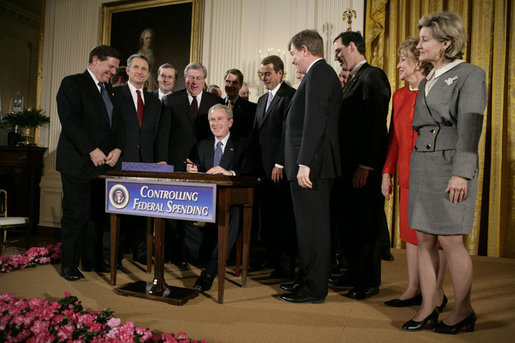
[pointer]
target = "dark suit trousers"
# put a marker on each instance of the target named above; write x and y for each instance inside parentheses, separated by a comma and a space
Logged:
(312, 218)
(364, 210)
(83, 221)
(194, 239)
(278, 224)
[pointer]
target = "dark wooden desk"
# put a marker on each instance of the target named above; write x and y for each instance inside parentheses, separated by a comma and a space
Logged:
(20, 174)
(231, 190)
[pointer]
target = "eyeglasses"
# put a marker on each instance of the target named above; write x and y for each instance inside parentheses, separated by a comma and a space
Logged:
(193, 78)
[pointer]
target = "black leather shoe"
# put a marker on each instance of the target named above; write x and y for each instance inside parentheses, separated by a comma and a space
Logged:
(71, 274)
(362, 293)
(290, 286)
(412, 325)
(301, 299)
(416, 300)
(341, 280)
(386, 255)
(468, 324)
(204, 282)
(442, 305)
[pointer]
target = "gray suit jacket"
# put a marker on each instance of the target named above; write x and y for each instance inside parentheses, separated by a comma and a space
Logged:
(451, 116)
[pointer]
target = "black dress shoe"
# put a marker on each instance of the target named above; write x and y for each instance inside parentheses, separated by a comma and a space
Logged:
(204, 282)
(412, 325)
(416, 300)
(71, 274)
(290, 286)
(362, 293)
(468, 324)
(341, 280)
(301, 299)
(386, 255)
(442, 305)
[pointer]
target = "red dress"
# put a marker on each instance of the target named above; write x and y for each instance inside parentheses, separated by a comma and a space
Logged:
(401, 140)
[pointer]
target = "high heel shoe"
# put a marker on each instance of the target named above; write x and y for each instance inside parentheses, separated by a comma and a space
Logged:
(413, 325)
(468, 324)
(442, 305)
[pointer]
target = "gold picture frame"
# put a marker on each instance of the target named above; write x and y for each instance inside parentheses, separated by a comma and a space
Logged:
(175, 23)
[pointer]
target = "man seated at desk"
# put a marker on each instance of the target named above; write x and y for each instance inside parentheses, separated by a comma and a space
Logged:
(225, 154)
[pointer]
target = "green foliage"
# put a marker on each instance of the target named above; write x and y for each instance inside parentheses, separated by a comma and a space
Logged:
(27, 117)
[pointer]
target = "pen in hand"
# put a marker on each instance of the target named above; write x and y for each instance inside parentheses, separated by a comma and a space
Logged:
(190, 166)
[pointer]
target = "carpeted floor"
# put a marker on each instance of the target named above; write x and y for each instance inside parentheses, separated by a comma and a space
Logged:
(255, 313)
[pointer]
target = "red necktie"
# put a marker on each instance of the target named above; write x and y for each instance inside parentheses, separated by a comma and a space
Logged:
(140, 107)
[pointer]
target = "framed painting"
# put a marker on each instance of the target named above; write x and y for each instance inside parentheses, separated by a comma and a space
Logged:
(166, 31)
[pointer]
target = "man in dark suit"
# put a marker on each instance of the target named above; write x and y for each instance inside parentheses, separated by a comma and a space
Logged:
(91, 141)
(222, 153)
(244, 111)
(141, 112)
(166, 77)
(277, 220)
(363, 139)
(312, 161)
(184, 118)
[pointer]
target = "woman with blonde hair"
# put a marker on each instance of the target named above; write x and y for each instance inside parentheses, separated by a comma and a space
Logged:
(444, 168)
(401, 140)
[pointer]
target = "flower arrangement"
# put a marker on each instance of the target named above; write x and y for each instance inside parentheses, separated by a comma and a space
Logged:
(37, 320)
(30, 258)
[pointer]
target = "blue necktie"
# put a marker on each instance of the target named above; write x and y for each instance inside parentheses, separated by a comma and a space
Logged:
(269, 101)
(107, 102)
(218, 154)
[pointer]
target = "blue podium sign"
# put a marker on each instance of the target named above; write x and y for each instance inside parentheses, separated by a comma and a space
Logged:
(161, 198)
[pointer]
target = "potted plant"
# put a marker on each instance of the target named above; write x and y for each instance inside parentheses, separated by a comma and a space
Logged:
(28, 122)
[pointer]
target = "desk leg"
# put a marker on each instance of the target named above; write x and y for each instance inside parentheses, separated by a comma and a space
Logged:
(150, 238)
(115, 234)
(223, 215)
(247, 226)
(158, 284)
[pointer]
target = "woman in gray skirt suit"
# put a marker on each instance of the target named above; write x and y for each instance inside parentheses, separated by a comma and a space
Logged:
(444, 168)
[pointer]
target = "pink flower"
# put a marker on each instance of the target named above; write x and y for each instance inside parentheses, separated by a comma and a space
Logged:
(181, 335)
(113, 322)
(67, 294)
(65, 332)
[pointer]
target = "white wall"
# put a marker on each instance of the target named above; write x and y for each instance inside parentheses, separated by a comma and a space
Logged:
(234, 31)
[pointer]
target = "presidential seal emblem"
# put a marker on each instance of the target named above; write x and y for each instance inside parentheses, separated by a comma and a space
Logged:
(119, 196)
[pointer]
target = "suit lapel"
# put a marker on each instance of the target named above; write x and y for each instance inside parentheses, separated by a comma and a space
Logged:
(260, 111)
(227, 157)
(93, 89)
(354, 81)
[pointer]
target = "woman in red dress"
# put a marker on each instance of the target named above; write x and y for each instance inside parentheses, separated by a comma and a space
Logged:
(401, 140)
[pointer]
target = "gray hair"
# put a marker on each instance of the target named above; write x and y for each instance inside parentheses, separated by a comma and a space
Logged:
(311, 39)
(195, 66)
(227, 110)
(133, 56)
(446, 26)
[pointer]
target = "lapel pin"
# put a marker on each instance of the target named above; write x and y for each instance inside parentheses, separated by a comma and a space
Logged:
(450, 80)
